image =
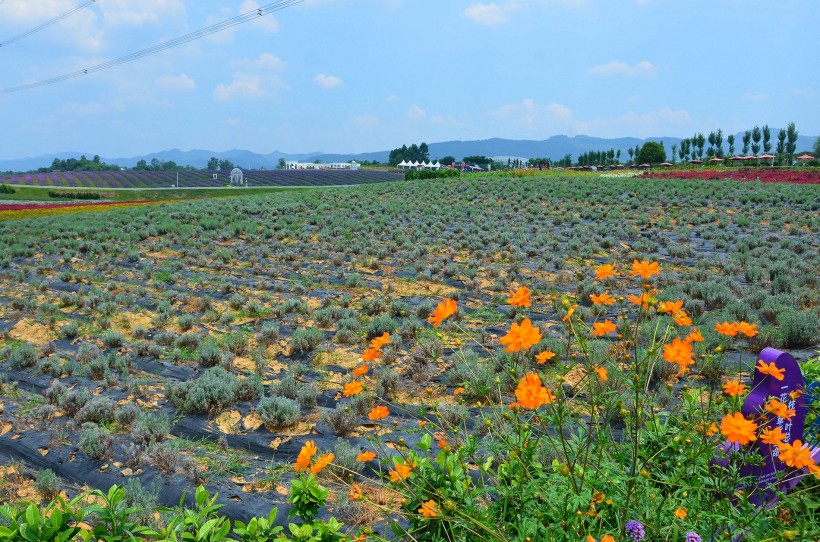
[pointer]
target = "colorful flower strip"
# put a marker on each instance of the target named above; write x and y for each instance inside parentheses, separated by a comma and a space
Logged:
(35, 211)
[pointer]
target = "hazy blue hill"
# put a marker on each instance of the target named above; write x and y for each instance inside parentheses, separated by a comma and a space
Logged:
(555, 147)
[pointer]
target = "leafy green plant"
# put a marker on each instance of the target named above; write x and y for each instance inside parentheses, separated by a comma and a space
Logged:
(113, 520)
(262, 529)
(306, 497)
(26, 523)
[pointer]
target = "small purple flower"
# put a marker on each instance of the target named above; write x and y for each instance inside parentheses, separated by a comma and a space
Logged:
(693, 537)
(635, 530)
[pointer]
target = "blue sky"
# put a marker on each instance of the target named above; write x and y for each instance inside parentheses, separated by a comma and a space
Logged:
(367, 75)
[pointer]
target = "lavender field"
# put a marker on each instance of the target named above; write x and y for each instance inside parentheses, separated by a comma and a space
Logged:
(197, 178)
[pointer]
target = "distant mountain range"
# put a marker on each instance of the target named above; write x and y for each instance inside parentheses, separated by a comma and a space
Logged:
(555, 148)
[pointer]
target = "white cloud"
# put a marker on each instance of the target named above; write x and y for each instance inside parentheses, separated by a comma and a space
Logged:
(243, 86)
(528, 118)
(643, 68)
(265, 62)
(266, 23)
(416, 113)
(327, 81)
(130, 13)
(255, 78)
(80, 29)
(487, 14)
(528, 113)
(175, 82)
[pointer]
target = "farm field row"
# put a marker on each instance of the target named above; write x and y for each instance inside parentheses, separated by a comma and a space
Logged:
(208, 341)
(197, 178)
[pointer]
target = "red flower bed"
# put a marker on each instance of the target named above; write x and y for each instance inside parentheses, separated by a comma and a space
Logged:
(800, 176)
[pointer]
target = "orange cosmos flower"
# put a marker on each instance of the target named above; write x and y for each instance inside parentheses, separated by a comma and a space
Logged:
(401, 472)
(795, 455)
(682, 319)
(772, 437)
(738, 429)
(521, 337)
(355, 492)
(711, 430)
(680, 513)
(679, 352)
(364, 457)
(429, 509)
(459, 391)
(544, 357)
(371, 354)
(360, 370)
(603, 299)
(378, 342)
(321, 462)
(520, 298)
(353, 388)
(733, 388)
(606, 538)
(569, 313)
(305, 455)
(605, 271)
(378, 413)
(599, 329)
(670, 307)
(642, 300)
(531, 394)
(644, 268)
(795, 395)
(727, 328)
(601, 371)
(770, 369)
(747, 329)
(443, 311)
(694, 336)
(779, 409)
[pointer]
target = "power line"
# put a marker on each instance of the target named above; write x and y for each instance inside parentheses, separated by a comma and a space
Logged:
(245, 17)
(46, 24)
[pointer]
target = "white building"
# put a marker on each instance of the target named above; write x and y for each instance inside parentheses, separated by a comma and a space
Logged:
(292, 164)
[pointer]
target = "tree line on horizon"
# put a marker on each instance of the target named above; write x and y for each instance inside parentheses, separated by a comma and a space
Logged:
(651, 152)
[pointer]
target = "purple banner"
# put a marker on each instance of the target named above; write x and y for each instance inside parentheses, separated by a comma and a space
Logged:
(788, 391)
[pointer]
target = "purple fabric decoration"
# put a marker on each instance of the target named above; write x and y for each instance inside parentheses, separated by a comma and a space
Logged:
(764, 387)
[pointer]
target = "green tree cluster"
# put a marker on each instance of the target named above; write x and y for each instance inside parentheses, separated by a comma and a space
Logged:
(413, 153)
(79, 164)
(652, 152)
(158, 165)
(215, 164)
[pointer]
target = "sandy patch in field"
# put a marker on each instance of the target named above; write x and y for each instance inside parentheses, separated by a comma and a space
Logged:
(411, 288)
(574, 377)
(14, 486)
(163, 254)
(228, 421)
(29, 330)
(344, 358)
(252, 421)
(128, 321)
